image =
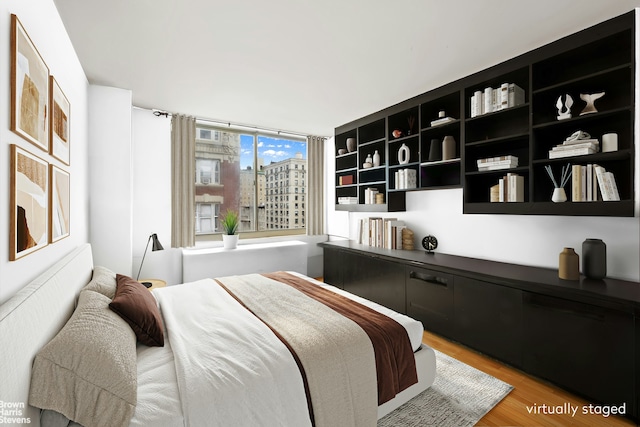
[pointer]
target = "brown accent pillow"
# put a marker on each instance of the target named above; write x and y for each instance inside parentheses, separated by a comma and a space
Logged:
(137, 306)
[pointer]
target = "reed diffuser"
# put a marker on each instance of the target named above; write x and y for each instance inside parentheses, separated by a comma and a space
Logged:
(559, 195)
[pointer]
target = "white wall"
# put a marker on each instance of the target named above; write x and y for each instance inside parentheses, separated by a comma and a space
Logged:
(152, 197)
(41, 21)
(111, 187)
(521, 239)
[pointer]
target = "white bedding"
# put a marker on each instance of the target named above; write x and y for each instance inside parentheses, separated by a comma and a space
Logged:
(226, 396)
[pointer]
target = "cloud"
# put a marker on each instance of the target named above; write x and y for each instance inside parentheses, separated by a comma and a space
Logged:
(274, 153)
(260, 143)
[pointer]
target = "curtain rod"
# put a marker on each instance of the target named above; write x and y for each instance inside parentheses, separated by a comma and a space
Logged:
(160, 113)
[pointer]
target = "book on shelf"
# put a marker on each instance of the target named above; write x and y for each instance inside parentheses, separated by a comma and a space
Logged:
(345, 180)
(370, 195)
(591, 183)
(510, 189)
(497, 163)
(495, 99)
(442, 121)
(497, 159)
(406, 179)
(566, 147)
(570, 153)
(381, 232)
(347, 200)
(606, 184)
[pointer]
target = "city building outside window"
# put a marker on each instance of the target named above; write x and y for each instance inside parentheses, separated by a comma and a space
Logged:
(249, 172)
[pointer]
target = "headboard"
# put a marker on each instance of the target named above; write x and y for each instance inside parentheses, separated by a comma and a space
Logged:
(31, 318)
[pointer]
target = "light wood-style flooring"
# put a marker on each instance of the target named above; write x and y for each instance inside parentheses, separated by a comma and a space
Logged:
(528, 391)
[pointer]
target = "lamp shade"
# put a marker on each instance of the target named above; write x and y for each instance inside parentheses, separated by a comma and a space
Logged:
(157, 246)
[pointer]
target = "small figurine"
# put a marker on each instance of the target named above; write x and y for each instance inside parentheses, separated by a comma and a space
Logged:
(396, 133)
(590, 99)
(564, 108)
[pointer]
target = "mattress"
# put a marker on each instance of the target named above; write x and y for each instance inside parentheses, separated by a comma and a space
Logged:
(158, 393)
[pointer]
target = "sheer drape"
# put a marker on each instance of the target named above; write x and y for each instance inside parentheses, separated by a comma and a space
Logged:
(183, 171)
(315, 182)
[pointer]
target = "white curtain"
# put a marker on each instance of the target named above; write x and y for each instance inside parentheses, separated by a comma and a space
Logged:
(183, 171)
(315, 182)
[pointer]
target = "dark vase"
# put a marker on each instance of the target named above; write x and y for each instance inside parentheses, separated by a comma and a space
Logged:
(435, 150)
(594, 259)
(569, 265)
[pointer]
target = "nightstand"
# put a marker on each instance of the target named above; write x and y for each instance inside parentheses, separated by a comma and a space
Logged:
(155, 283)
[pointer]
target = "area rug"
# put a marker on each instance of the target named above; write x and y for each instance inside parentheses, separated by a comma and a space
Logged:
(460, 396)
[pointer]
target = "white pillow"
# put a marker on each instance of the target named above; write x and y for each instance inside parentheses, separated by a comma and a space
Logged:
(87, 372)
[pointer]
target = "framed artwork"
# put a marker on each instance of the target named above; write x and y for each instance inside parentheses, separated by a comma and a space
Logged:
(29, 89)
(29, 203)
(59, 126)
(59, 202)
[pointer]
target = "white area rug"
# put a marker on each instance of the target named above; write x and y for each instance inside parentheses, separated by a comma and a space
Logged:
(460, 396)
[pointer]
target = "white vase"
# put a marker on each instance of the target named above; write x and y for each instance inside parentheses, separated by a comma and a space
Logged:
(230, 241)
(559, 195)
(376, 159)
(404, 155)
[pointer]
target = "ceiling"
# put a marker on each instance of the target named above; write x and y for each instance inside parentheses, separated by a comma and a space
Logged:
(301, 65)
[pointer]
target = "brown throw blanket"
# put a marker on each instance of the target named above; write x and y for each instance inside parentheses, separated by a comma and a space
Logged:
(395, 363)
(341, 346)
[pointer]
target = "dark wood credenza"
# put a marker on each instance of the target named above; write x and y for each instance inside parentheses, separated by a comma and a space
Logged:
(582, 335)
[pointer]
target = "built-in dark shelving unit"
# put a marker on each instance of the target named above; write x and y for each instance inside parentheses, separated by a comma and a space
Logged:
(598, 59)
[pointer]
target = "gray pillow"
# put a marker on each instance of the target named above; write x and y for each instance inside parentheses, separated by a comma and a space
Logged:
(103, 281)
(88, 372)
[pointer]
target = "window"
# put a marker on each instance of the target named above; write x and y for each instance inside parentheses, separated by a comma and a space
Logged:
(248, 173)
(207, 217)
(207, 171)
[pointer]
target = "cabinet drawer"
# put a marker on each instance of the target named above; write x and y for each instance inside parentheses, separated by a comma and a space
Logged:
(430, 298)
(584, 348)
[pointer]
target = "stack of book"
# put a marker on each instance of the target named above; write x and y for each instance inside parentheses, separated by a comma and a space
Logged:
(497, 163)
(442, 121)
(576, 147)
(496, 99)
(381, 232)
(591, 183)
(510, 188)
(347, 200)
(406, 179)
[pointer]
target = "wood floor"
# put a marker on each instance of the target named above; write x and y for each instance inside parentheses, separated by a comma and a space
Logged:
(528, 391)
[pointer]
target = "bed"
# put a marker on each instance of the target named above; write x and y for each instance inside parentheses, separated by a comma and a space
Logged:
(257, 379)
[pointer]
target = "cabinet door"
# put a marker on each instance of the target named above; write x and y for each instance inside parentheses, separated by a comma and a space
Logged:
(430, 299)
(581, 347)
(332, 267)
(374, 279)
(489, 318)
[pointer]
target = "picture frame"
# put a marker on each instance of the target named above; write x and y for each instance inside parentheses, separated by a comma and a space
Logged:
(59, 127)
(59, 202)
(29, 88)
(29, 200)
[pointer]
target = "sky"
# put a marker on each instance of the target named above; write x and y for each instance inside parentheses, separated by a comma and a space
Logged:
(269, 149)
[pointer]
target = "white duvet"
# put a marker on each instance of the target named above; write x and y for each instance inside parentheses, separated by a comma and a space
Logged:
(252, 379)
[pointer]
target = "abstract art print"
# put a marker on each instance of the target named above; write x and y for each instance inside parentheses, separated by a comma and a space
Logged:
(29, 203)
(29, 88)
(59, 202)
(60, 112)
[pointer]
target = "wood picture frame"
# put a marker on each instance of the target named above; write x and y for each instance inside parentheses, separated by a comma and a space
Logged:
(59, 128)
(29, 201)
(59, 203)
(29, 88)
